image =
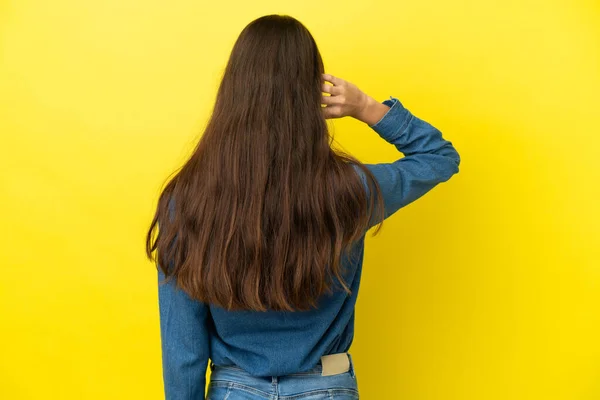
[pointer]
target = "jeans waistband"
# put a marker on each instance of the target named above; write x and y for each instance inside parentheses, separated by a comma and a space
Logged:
(333, 365)
(237, 381)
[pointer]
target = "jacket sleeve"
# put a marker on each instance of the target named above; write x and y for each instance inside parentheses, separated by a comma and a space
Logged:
(428, 159)
(184, 342)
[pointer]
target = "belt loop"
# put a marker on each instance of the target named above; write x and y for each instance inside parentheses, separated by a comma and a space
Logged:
(351, 370)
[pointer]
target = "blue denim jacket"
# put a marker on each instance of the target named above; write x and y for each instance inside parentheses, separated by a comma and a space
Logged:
(276, 343)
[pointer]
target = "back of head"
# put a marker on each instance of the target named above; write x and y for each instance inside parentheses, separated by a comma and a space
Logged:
(264, 210)
(273, 77)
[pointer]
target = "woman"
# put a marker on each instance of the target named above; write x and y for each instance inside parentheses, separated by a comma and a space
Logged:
(259, 237)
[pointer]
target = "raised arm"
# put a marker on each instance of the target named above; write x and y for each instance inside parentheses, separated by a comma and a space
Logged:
(428, 160)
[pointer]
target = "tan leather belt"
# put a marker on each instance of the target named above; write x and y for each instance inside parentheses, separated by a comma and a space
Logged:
(335, 364)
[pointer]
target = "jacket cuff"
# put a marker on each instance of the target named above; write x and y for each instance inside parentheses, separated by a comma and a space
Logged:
(393, 120)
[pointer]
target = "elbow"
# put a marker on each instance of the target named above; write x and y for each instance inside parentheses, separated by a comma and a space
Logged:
(454, 159)
(452, 153)
(453, 166)
(457, 161)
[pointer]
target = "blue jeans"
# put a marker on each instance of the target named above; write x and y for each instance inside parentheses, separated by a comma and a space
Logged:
(233, 383)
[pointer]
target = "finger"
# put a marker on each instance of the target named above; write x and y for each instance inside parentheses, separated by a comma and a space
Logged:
(329, 100)
(327, 112)
(331, 89)
(333, 79)
(331, 111)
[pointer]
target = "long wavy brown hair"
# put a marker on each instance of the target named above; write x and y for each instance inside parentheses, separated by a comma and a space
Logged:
(264, 210)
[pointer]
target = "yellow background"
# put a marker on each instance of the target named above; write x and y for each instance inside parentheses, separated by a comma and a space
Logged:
(487, 288)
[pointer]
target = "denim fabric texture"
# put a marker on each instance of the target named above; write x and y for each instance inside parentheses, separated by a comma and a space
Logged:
(276, 344)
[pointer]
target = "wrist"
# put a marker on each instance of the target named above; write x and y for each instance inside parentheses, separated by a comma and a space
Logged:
(372, 111)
